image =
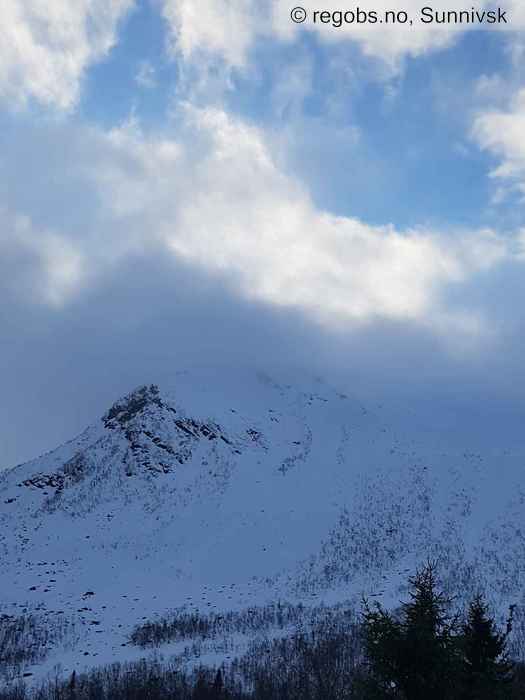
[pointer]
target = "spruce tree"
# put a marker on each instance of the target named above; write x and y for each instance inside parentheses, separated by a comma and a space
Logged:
(414, 655)
(72, 686)
(486, 668)
(429, 640)
(218, 685)
(383, 648)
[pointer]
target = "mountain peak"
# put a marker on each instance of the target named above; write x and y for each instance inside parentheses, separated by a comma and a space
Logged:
(134, 403)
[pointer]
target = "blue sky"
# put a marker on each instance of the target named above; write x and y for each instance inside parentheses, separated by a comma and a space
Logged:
(352, 196)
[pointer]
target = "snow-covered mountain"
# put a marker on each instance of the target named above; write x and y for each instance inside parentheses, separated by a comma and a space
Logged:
(219, 493)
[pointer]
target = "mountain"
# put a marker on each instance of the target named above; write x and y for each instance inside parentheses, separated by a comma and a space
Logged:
(224, 491)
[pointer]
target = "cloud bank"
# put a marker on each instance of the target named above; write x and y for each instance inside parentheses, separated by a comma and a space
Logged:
(212, 195)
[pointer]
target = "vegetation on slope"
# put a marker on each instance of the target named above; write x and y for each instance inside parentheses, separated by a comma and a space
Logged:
(420, 650)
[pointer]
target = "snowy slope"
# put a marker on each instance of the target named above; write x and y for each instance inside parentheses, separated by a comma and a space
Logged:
(222, 491)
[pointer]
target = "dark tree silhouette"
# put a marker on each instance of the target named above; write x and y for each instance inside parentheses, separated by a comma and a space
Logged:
(487, 671)
(72, 686)
(414, 654)
(218, 685)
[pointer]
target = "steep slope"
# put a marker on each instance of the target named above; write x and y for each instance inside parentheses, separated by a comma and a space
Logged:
(223, 491)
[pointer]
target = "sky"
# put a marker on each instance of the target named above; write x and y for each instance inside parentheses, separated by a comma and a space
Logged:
(189, 184)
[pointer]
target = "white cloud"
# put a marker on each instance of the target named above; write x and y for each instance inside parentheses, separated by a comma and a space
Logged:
(502, 132)
(247, 218)
(228, 29)
(47, 45)
(49, 267)
(213, 196)
(390, 44)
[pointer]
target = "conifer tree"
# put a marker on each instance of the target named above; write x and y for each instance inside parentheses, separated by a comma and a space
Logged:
(429, 639)
(72, 686)
(414, 655)
(486, 668)
(218, 685)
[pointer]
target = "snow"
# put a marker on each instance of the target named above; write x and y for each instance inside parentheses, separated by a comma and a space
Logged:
(224, 491)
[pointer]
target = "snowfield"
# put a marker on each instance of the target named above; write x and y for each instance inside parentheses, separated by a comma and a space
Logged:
(223, 493)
